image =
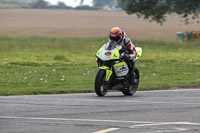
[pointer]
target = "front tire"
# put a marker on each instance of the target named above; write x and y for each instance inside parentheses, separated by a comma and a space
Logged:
(134, 82)
(100, 87)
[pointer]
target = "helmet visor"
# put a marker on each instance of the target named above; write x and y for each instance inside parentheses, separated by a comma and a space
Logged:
(115, 38)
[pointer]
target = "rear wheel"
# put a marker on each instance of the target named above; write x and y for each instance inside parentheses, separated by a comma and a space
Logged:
(100, 88)
(134, 82)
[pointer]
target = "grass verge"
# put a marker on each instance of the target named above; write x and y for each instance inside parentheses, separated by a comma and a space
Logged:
(34, 65)
(7, 6)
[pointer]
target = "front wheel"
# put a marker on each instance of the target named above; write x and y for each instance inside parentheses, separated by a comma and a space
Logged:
(134, 82)
(100, 88)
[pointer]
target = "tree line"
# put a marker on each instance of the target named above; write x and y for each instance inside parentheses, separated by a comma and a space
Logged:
(97, 4)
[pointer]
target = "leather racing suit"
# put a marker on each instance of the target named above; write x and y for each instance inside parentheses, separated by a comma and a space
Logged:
(127, 44)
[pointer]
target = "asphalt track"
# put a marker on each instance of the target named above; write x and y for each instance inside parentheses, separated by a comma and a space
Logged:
(171, 111)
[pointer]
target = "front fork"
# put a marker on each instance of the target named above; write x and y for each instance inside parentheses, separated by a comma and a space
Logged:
(108, 72)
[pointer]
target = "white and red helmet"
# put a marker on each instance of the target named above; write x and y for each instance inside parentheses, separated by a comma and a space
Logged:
(116, 34)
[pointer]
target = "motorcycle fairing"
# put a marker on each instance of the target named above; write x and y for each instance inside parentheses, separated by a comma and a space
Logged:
(139, 52)
(115, 54)
(102, 53)
(120, 64)
(108, 72)
(121, 69)
(99, 52)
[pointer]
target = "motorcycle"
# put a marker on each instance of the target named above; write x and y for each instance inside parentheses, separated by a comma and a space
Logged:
(114, 72)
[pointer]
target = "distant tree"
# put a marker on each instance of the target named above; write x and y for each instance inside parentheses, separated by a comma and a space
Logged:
(61, 4)
(156, 10)
(104, 3)
(40, 4)
(85, 8)
(81, 1)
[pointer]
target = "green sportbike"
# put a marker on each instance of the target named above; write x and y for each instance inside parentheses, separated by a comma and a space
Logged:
(114, 73)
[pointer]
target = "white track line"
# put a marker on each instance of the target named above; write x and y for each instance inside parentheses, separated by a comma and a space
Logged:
(69, 119)
(117, 101)
(190, 90)
(165, 123)
(168, 131)
(144, 123)
(106, 130)
(129, 101)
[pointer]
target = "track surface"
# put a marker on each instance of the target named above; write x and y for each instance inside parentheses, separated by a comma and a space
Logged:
(171, 111)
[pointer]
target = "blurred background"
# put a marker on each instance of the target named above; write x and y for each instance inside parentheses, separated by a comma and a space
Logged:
(66, 18)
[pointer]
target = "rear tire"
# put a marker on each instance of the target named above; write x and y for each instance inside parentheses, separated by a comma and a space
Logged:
(100, 88)
(134, 82)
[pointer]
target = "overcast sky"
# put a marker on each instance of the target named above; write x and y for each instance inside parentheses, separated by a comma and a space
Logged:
(72, 3)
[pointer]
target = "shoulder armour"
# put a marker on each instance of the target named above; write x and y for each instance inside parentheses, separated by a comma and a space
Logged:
(126, 40)
(124, 34)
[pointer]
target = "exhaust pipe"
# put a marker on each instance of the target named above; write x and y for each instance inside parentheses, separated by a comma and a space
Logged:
(118, 87)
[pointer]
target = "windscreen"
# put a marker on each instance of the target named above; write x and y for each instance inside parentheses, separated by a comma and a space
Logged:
(111, 45)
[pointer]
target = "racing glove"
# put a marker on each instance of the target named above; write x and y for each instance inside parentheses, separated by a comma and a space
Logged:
(125, 57)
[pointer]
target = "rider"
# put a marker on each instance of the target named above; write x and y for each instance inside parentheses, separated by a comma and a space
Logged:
(122, 39)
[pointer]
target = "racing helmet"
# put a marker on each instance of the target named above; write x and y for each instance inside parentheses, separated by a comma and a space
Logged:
(116, 34)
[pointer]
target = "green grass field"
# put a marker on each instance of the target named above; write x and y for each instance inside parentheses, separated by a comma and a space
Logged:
(33, 65)
(7, 6)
